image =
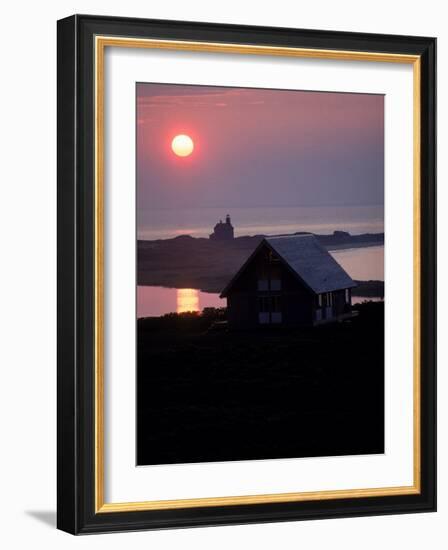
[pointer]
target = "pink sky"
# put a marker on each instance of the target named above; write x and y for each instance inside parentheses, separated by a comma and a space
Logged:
(258, 147)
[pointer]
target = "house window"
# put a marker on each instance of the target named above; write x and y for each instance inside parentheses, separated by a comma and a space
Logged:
(264, 315)
(269, 310)
(325, 300)
(276, 312)
(269, 279)
(347, 295)
(263, 284)
(324, 308)
(276, 284)
(275, 276)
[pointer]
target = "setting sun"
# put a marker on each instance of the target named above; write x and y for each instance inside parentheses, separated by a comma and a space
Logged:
(182, 145)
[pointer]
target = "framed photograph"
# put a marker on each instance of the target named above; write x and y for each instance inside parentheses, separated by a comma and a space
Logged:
(246, 274)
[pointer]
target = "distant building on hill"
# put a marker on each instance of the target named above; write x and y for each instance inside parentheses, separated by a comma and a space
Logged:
(223, 231)
(291, 280)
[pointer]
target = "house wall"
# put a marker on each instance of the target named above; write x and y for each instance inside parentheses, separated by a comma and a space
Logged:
(330, 305)
(340, 305)
(296, 301)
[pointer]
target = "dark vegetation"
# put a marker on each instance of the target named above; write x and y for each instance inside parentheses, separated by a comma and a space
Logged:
(188, 262)
(209, 394)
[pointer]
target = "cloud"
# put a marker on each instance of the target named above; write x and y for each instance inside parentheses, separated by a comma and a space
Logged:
(152, 95)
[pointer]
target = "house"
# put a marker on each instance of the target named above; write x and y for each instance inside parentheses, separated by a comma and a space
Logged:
(223, 231)
(289, 280)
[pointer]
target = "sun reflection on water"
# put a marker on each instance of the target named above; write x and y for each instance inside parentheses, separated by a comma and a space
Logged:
(187, 300)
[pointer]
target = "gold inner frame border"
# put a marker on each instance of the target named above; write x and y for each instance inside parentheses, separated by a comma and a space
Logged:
(100, 44)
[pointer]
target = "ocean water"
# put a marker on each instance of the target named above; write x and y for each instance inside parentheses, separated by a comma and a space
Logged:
(199, 222)
(362, 264)
(152, 301)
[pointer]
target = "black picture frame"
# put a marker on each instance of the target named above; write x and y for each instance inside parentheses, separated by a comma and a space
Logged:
(76, 275)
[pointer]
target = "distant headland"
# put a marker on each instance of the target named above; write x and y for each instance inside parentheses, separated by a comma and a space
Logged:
(208, 264)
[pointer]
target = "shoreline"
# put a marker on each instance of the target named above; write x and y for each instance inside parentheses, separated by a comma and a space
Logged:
(353, 246)
(207, 265)
(376, 289)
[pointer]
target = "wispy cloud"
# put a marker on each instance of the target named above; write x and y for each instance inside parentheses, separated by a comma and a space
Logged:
(156, 95)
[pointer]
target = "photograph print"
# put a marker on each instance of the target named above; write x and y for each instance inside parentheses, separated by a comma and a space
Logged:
(260, 273)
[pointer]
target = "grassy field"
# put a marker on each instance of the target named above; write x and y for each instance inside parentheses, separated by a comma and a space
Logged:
(214, 395)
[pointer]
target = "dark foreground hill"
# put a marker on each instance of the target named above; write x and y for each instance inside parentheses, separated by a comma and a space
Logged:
(209, 394)
(188, 262)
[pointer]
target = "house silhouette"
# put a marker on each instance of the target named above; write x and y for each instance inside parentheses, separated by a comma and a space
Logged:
(290, 280)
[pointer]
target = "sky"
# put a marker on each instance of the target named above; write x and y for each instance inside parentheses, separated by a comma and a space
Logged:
(258, 147)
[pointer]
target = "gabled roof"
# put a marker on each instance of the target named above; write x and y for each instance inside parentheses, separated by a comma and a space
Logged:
(307, 259)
